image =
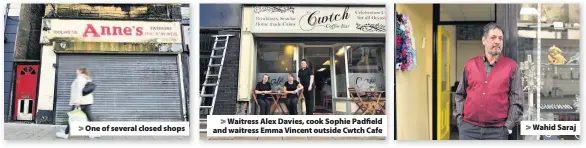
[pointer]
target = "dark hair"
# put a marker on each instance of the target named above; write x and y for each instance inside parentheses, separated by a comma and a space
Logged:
(304, 60)
(291, 74)
(489, 27)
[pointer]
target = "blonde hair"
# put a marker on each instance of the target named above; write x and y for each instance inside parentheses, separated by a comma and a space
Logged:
(84, 71)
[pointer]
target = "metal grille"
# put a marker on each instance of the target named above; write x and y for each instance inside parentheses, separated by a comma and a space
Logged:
(129, 87)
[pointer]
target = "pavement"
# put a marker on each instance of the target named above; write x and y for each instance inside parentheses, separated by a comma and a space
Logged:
(21, 131)
(203, 136)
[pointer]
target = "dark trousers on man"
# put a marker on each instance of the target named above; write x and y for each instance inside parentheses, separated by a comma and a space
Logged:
(469, 131)
(264, 104)
(88, 112)
(309, 101)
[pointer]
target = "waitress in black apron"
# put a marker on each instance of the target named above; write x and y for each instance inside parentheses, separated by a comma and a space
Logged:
(305, 77)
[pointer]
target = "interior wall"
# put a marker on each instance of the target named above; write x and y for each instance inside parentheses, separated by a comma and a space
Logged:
(467, 49)
(413, 103)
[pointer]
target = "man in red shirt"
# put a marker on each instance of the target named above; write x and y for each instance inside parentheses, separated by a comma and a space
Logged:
(488, 101)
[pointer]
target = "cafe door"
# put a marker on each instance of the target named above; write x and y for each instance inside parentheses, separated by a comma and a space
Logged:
(321, 61)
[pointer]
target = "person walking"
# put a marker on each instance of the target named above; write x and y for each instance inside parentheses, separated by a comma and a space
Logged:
(305, 77)
(262, 91)
(78, 99)
(488, 99)
(292, 89)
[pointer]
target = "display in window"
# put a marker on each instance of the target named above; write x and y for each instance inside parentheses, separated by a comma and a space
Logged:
(574, 59)
(577, 103)
(555, 56)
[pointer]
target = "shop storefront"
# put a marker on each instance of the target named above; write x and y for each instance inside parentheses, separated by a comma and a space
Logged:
(542, 38)
(548, 37)
(136, 65)
(344, 46)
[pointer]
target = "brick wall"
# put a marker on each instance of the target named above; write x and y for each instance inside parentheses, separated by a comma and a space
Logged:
(27, 46)
(228, 89)
(115, 11)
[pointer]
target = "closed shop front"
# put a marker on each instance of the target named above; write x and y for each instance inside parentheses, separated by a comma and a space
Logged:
(130, 87)
(136, 66)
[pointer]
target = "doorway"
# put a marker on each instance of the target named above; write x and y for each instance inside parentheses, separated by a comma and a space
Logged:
(453, 24)
(320, 62)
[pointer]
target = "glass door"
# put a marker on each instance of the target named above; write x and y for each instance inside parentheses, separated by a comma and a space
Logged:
(320, 61)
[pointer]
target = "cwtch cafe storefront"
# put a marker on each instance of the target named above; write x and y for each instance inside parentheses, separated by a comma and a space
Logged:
(344, 45)
(136, 66)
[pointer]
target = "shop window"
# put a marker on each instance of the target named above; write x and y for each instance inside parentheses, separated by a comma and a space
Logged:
(366, 67)
(275, 60)
(340, 69)
(555, 49)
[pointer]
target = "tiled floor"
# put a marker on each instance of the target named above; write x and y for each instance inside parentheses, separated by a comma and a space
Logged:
(203, 136)
(18, 131)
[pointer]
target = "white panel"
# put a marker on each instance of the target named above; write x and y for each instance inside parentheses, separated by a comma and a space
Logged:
(47, 79)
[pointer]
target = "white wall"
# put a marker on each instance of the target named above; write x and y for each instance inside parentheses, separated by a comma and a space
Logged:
(467, 50)
(47, 80)
(247, 57)
(14, 9)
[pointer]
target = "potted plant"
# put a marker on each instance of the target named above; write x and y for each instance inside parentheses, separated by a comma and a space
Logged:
(279, 88)
(372, 87)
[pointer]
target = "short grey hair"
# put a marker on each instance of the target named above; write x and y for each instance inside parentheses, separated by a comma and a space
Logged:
(489, 27)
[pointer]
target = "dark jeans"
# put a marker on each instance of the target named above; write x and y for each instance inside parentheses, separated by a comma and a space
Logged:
(264, 104)
(309, 101)
(292, 104)
(88, 112)
(469, 131)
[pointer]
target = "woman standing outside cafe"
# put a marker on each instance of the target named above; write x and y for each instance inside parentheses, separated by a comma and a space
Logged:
(305, 77)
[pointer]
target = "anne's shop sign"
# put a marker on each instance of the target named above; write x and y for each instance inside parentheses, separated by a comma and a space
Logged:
(110, 31)
(293, 19)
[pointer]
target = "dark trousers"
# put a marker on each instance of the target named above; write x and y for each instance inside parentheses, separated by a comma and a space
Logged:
(292, 104)
(264, 104)
(309, 101)
(469, 131)
(88, 112)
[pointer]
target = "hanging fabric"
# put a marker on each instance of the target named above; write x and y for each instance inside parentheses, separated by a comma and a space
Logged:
(405, 53)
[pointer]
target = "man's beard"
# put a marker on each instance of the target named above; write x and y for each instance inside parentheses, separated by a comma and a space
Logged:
(496, 52)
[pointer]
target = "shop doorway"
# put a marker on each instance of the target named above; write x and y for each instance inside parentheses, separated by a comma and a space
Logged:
(320, 62)
(457, 30)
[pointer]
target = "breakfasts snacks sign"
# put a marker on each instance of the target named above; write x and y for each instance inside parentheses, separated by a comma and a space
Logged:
(298, 19)
(110, 31)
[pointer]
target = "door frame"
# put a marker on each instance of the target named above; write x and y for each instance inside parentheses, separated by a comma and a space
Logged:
(436, 22)
(442, 32)
(330, 57)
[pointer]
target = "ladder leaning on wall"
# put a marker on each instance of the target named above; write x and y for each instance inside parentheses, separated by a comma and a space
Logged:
(212, 78)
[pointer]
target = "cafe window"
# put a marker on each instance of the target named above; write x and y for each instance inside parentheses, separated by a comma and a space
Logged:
(366, 67)
(340, 69)
(277, 61)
